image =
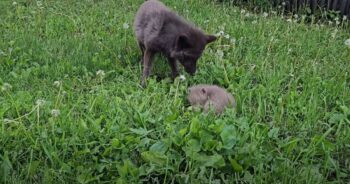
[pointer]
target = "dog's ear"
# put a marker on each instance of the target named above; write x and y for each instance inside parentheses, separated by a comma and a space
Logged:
(204, 91)
(182, 42)
(211, 38)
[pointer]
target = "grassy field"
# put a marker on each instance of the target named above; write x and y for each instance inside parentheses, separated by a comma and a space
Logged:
(72, 110)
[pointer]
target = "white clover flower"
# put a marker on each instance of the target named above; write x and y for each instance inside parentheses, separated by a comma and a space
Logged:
(6, 86)
(345, 17)
(255, 22)
(182, 77)
(336, 18)
(289, 20)
(247, 15)
(39, 3)
(227, 36)
(126, 26)
(279, 6)
(55, 112)
(220, 33)
(289, 50)
(296, 16)
(284, 3)
(100, 73)
(6, 120)
(233, 41)
(57, 84)
(206, 21)
(242, 11)
(252, 67)
(220, 54)
(40, 102)
(347, 42)
(337, 22)
(265, 14)
(64, 93)
(334, 33)
(14, 3)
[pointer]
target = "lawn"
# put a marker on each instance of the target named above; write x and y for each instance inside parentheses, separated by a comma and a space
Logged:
(72, 109)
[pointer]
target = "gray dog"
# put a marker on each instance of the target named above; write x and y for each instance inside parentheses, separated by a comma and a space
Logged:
(159, 30)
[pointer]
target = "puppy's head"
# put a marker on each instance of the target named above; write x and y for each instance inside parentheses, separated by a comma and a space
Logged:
(189, 48)
(197, 95)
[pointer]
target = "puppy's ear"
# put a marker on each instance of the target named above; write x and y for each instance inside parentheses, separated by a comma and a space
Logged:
(182, 42)
(211, 38)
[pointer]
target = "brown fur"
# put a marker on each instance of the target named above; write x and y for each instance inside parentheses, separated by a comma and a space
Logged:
(207, 96)
(160, 30)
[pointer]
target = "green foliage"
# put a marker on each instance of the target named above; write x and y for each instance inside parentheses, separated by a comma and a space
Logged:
(72, 110)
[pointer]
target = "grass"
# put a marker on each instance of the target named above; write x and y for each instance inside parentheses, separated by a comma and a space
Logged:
(72, 110)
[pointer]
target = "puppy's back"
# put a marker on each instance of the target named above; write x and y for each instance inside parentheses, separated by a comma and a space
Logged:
(214, 95)
(221, 98)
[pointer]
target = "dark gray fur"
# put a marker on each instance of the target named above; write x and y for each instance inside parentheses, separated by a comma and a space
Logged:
(160, 30)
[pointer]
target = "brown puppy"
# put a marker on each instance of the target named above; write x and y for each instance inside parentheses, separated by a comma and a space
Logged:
(207, 96)
(160, 30)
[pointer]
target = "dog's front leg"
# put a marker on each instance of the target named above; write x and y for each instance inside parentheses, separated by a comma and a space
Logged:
(142, 48)
(173, 66)
(147, 65)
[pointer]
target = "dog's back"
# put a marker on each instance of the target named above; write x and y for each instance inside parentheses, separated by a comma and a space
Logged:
(157, 27)
(150, 19)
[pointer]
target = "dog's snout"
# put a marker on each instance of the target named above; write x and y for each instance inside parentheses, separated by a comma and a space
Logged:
(191, 71)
